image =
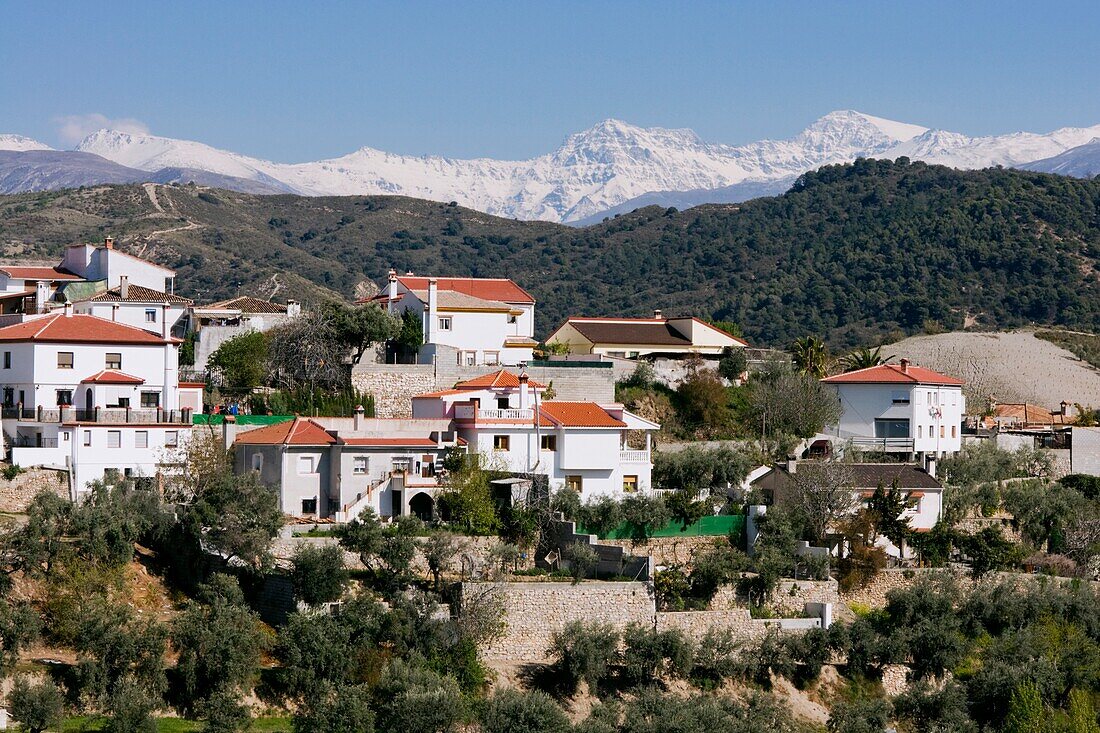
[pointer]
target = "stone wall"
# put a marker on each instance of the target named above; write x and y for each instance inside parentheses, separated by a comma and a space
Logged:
(790, 596)
(393, 385)
(17, 494)
(667, 550)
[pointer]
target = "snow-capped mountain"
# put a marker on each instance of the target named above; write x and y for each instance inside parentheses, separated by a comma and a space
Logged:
(20, 144)
(1082, 161)
(608, 165)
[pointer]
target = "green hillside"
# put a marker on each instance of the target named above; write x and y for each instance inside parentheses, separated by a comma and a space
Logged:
(857, 253)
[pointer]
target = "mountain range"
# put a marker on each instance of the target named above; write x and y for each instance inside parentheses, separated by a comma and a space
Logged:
(609, 168)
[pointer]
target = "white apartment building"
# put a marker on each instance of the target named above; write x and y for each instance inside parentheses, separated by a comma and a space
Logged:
(88, 395)
(899, 408)
(475, 321)
(577, 445)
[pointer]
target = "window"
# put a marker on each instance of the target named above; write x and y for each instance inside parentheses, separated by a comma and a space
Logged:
(9, 397)
(114, 438)
(548, 442)
(445, 323)
(64, 396)
(359, 465)
(920, 431)
(64, 360)
(309, 506)
(574, 483)
(943, 431)
(7, 360)
(492, 358)
(954, 431)
(141, 439)
(150, 315)
(630, 484)
(171, 438)
(257, 461)
(150, 399)
(512, 318)
(954, 398)
(900, 397)
(470, 357)
(930, 398)
(501, 442)
(65, 437)
(113, 360)
(502, 403)
(891, 428)
(306, 465)
(400, 464)
(87, 437)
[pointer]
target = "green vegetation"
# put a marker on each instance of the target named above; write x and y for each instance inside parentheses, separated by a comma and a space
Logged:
(1083, 345)
(855, 253)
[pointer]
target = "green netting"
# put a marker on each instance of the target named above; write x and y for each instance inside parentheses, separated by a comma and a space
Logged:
(705, 527)
(241, 419)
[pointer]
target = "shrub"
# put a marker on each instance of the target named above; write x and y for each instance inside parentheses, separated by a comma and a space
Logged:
(649, 654)
(335, 709)
(410, 697)
(318, 575)
(866, 715)
(511, 711)
(583, 560)
(584, 653)
(36, 707)
(644, 514)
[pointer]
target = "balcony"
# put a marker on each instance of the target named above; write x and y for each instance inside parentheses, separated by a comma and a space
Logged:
(112, 415)
(467, 412)
(634, 456)
(886, 445)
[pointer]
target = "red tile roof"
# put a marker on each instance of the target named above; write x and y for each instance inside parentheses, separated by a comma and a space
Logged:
(395, 442)
(79, 328)
(579, 415)
(112, 376)
(44, 272)
(500, 289)
(501, 379)
(138, 294)
(246, 304)
(893, 374)
(440, 393)
(299, 431)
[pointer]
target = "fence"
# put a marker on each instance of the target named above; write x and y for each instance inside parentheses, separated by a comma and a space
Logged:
(718, 526)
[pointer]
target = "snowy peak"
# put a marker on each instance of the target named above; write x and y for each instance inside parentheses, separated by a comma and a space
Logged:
(20, 144)
(848, 130)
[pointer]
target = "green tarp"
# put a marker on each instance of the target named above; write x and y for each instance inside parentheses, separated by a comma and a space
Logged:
(705, 527)
(241, 419)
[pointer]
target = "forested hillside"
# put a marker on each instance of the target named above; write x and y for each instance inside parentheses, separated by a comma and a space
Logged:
(856, 253)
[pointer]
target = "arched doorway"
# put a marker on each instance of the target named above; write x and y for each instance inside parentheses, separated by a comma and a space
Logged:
(423, 506)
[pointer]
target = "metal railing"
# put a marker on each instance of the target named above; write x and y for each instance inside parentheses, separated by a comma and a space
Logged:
(884, 444)
(123, 415)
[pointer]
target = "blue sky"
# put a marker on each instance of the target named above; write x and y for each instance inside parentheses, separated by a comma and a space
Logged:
(294, 81)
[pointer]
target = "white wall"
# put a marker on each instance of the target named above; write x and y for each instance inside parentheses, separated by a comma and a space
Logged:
(862, 404)
(134, 314)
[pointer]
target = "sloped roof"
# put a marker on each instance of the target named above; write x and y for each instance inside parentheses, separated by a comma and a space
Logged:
(247, 304)
(656, 331)
(579, 415)
(138, 294)
(36, 272)
(299, 431)
(893, 374)
(79, 328)
(500, 289)
(440, 393)
(392, 442)
(864, 476)
(452, 300)
(112, 376)
(500, 379)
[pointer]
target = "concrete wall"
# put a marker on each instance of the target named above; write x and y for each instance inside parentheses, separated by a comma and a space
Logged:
(1085, 454)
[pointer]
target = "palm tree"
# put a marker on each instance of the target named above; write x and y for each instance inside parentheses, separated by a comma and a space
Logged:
(864, 358)
(810, 356)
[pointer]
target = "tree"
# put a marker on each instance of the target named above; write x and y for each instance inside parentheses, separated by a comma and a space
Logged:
(240, 363)
(1026, 712)
(695, 469)
(512, 711)
(237, 516)
(467, 501)
(440, 552)
(411, 336)
(131, 710)
(120, 657)
(864, 358)
(318, 575)
(810, 356)
(584, 652)
(410, 697)
(822, 493)
(649, 654)
(988, 550)
(583, 560)
(645, 514)
(36, 706)
(19, 627)
(358, 327)
(386, 551)
(704, 402)
(864, 715)
(786, 403)
(733, 363)
(307, 353)
(335, 708)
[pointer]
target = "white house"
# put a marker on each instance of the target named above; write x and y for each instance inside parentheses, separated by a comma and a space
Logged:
(326, 467)
(577, 445)
(87, 394)
(474, 321)
(631, 338)
(137, 306)
(899, 408)
(216, 323)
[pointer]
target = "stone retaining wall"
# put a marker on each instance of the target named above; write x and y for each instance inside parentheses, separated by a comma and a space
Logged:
(393, 385)
(790, 596)
(16, 495)
(667, 550)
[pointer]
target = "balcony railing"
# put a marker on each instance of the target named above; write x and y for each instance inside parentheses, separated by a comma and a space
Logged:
(634, 456)
(467, 412)
(887, 445)
(123, 415)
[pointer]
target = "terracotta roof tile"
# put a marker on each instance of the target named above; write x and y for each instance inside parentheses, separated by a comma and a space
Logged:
(893, 374)
(500, 379)
(112, 376)
(647, 331)
(299, 431)
(37, 273)
(392, 442)
(500, 289)
(579, 415)
(79, 328)
(247, 304)
(138, 294)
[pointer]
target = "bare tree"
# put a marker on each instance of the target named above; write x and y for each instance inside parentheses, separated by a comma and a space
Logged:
(307, 352)
(823, 492)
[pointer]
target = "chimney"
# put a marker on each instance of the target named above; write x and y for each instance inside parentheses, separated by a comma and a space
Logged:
(930, 466)
(68, 309)
(109, 242)
(293, 308)
(114, 311)
(523, 379)
(657, 315)
(164, 321)
(123, 286)
(1065, 408)
(792, 464)
(433, 308)
(904, 366)
(41, 295)
(359, 413)
(391, 290)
